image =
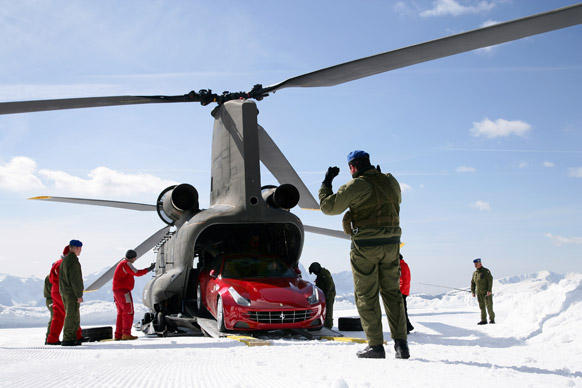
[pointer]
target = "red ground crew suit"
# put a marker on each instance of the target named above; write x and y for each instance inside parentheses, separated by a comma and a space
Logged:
(405, 290)
(123, 283)
(58, 306)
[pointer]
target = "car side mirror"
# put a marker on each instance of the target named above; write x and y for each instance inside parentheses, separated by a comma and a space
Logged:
(213, 274)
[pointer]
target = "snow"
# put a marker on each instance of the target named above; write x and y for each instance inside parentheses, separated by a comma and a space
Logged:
(536, 342)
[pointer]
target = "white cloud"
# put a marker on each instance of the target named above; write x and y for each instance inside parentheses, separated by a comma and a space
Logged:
(560, 240)
(548, 164)
(105, 181)
(481, 205)
(19, 175)
(405, 9)
(404, 187)
(453, 8)
(522, 165)
(465, 169)
(575, 172)
(500, 128)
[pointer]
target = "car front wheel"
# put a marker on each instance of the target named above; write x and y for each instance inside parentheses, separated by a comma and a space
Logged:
(199, 304)
(220, 315)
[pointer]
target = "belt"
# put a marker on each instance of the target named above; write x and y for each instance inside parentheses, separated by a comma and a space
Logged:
(374, 242)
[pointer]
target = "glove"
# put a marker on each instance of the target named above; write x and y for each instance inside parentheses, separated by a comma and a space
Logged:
(331, 173)
(152, 266)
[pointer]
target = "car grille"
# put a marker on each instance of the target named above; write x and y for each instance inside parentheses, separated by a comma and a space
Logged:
(290, 316)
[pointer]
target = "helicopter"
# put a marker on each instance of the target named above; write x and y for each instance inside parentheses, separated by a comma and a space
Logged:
(239, 205)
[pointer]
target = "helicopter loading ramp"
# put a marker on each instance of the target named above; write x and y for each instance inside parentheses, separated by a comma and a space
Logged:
(208, 326)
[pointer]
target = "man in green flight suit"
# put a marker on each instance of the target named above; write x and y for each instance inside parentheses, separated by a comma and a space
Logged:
(481, 285)
(324, 281)
(373, 223)
(49, 305)
(71, 290)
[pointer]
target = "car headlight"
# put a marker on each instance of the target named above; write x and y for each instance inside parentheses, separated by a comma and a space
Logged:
(238, 298)
(314, 297)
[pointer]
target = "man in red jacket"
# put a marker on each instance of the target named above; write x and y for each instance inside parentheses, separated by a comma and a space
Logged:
(405, 289)
(123, 283)
(58, 318)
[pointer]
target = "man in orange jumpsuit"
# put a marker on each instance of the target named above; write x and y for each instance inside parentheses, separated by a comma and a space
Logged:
(405, 289)
(58, 317)
(123, 282)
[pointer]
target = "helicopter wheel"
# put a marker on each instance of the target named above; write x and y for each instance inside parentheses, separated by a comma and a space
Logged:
(220, 316)
(160, 322)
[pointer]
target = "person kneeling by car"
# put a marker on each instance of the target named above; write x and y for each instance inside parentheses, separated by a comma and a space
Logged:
(123, 283)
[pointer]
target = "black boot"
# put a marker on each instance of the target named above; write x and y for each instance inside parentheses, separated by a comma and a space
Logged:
(492, 321)
(71, 343)
(53, 343)
(401, 348)
(376, 351)
(482, 323)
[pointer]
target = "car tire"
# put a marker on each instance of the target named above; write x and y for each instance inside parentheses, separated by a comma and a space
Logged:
(199, 304)
(220, 315)
(98, 333)
(349, 324)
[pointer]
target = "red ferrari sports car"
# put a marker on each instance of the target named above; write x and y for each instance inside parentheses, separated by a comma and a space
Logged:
(245, 292)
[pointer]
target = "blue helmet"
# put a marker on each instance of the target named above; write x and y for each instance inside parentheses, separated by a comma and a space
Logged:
(477, 260)
(358, 154)
(75, 243)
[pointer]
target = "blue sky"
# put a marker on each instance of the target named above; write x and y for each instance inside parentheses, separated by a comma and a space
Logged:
(486, 144)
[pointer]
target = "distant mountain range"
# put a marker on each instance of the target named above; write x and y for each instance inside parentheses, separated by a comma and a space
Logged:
(22, 303)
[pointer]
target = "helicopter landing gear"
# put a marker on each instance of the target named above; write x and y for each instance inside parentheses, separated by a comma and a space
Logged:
(159, 322)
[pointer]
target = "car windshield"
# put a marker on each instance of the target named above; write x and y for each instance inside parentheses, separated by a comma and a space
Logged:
(256, 267)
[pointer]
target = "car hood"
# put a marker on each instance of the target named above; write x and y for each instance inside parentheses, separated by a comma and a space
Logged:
(274, 292)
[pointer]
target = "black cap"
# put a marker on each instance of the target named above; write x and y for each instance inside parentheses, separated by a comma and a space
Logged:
(315, 267)
(130, 254)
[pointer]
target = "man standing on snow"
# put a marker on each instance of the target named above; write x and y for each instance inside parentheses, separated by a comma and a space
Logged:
(123, 282)
(324, 281)
(58, 309)
(405, 289)
(49, 305)
(481, 285)
(71, 290)
(373, 223)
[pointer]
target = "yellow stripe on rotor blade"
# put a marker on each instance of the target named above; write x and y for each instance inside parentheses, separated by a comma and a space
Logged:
(41, 197)
(401, 244)
(249, 341)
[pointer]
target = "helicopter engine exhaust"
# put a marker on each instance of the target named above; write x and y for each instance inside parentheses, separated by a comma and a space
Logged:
(285, 196)
(174, 201)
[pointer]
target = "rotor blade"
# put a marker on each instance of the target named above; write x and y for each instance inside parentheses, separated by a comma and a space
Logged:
(99, 202)
(326, 232)
(87, 102)
(279, 166)
(141, 249)
(439, 48)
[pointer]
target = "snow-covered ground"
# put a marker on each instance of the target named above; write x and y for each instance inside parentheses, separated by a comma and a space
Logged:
(536, 342)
